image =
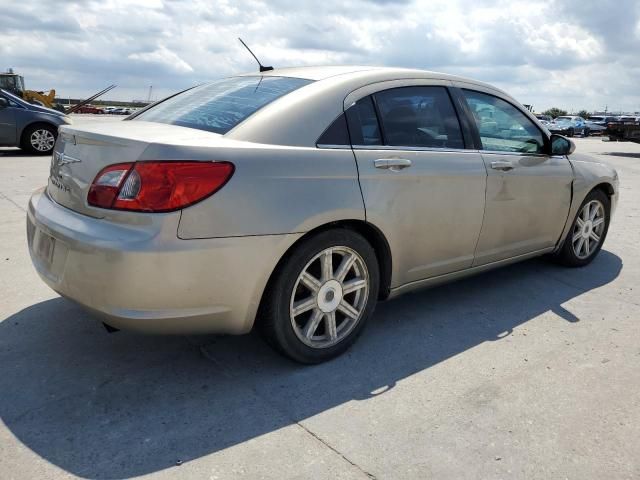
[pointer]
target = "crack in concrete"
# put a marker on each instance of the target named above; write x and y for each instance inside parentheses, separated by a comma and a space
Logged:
(5, 197)
(336, 451)
(226, 372)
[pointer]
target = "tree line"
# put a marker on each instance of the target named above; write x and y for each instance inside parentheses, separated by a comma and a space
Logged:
(558, 112)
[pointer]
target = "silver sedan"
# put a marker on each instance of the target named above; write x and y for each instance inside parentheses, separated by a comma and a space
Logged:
(293, 200)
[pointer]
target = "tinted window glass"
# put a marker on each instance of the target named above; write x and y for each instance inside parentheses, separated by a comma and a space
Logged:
(419, 117)
(363, 123)
(13, 100)
(336, 134)
(9, 101)
(221, 105)
(502, 126)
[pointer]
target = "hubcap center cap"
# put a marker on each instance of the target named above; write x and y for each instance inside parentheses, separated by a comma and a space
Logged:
(587, 228)
(329, 296)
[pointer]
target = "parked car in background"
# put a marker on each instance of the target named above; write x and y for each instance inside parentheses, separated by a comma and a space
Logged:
(569, 126)
(293, 200)
(628, 119)
(623, 130)
(546, 118)
(601, 119)
(90, 109)
(594, 128)
(31, 127)
(121, 111)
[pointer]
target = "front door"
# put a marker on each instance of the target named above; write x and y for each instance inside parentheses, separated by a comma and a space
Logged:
(7, 124)
(420, 186)
(528, 191)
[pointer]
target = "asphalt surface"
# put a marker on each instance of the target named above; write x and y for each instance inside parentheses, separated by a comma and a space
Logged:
(531, 371)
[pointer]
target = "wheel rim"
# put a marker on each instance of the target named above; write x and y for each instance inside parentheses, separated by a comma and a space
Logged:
(329, 297)
(42, 140)
(588, 229)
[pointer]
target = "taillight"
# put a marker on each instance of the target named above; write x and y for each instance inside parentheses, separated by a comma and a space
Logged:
(157, 186)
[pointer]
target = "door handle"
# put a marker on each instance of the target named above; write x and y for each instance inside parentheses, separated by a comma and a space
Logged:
(393, 164)
(502, 165)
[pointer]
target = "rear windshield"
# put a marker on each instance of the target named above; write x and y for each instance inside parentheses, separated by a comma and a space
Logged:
(221, 105)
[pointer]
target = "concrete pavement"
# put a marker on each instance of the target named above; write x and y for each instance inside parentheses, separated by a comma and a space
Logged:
(531, 371)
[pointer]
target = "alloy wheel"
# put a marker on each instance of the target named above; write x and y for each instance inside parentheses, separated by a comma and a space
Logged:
(42, 140)
(329, 297)
(588, 229)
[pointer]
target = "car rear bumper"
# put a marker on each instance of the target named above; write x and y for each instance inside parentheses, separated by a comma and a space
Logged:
(141, 276)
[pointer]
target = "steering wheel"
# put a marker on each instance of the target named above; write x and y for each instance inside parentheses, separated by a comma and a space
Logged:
(427, 139)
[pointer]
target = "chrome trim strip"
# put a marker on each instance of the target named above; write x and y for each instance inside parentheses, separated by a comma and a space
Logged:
(413, 149)
(333, 147)
(514, 154)
(433, 149)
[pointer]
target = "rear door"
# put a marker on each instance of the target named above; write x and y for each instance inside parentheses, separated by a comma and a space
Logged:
(528, 191)
(420, 185)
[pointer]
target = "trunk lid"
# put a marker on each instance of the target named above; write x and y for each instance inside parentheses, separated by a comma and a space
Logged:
(81, 152)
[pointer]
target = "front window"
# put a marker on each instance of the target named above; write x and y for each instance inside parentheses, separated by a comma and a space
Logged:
(502, 127)
(14, 101)
(221, 105)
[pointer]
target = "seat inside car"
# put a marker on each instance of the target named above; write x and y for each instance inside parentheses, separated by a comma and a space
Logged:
(401, 126)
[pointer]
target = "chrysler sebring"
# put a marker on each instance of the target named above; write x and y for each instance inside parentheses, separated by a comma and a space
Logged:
(293, 200)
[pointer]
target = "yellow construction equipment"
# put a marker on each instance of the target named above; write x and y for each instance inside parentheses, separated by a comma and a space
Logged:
(15, 84)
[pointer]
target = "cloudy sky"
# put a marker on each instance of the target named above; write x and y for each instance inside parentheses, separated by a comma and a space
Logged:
(568, 53)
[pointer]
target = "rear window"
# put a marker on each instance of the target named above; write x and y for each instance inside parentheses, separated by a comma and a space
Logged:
(221, 105)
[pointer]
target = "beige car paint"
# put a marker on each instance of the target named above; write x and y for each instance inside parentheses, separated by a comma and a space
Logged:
(205, 269)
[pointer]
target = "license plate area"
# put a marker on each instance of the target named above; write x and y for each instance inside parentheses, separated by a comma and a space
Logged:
(48, 253)
(44, 247)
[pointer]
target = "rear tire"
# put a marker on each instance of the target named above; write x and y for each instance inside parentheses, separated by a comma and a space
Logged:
(321, 296)
(588, 231)
(39, 139)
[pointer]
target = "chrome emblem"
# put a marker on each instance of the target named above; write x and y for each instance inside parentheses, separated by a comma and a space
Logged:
(61, 159)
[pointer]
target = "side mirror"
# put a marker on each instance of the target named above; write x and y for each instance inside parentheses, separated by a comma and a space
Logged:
(3, 102)
(561, 145)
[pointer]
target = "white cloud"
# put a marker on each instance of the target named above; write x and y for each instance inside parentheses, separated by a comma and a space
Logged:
(569, 53)
(164, 57)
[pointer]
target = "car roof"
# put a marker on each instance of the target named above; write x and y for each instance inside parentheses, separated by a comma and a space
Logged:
(299, 117)
(330, 71)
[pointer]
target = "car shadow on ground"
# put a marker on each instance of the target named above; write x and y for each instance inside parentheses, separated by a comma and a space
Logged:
(104, 405)
(623, 154)
(13, 152)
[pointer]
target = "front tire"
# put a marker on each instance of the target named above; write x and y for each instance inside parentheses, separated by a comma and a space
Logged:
(321, 296)
(39, 139)
(588, 231)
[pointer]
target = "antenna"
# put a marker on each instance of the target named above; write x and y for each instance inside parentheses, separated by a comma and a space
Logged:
(262, 67)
